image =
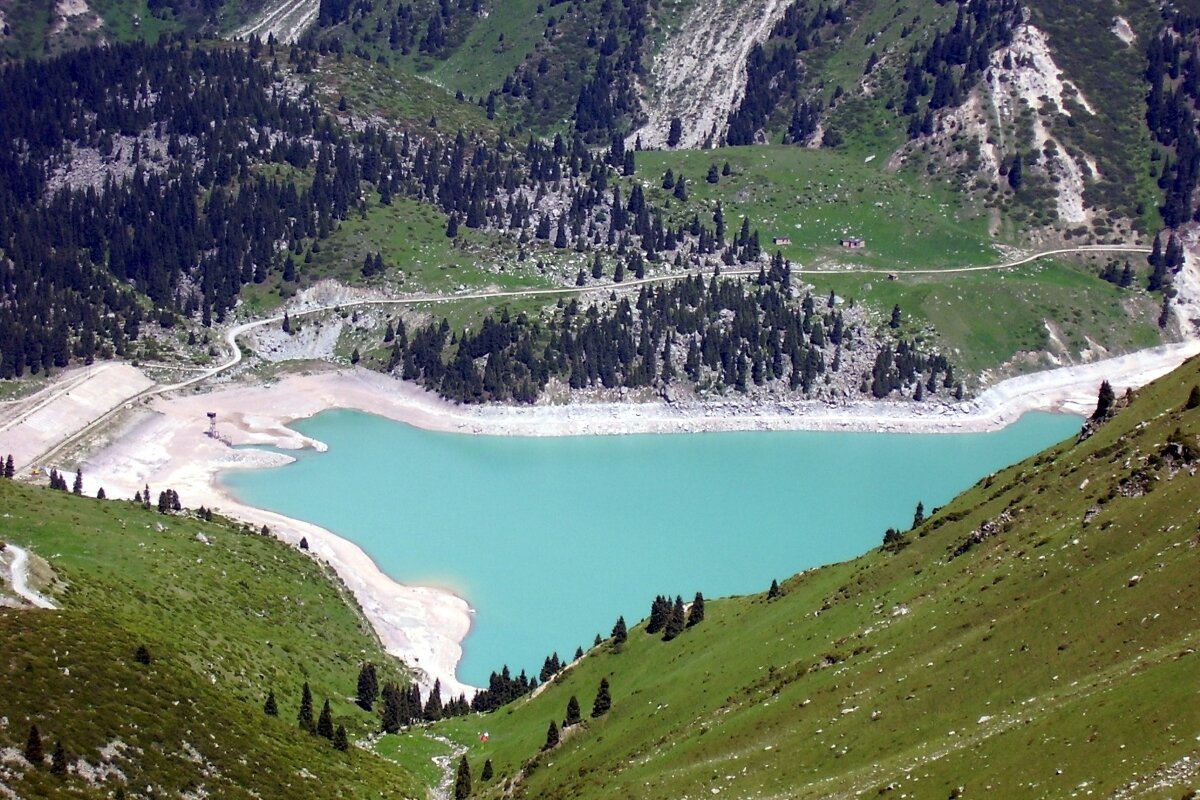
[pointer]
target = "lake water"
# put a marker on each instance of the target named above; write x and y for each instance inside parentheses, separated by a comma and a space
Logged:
(550, 539)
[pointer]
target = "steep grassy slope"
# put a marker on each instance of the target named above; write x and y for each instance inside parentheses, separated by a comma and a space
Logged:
(225, 620)
(1035, 638)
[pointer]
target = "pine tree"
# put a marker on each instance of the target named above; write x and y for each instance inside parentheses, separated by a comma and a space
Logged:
(368, 686)
(58, 761)
(1104, 401)
(552, 737)
(305, 716)
(675, 132)
(696, 612)
(603, 700)
(271, 708)
(660, 611)
(325, 722)
(340, 740)
(33, 747)
(1193, 400)
(462, 781)
(486, 775)
(676, 622)
(573, 713)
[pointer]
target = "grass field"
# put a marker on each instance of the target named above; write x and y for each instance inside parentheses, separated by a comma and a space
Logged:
(225, 622)
(1031, 665)
(984, 319)
(815, 197)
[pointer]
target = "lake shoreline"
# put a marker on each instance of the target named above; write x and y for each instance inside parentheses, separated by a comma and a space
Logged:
(167, 446)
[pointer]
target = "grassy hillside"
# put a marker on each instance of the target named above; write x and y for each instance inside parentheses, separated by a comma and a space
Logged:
(225, 621)
(815, 197)
(1035, 638)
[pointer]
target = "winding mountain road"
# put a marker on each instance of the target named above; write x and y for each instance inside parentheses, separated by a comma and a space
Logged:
(233, 334)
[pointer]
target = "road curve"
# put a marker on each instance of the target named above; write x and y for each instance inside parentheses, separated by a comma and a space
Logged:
(235, 356)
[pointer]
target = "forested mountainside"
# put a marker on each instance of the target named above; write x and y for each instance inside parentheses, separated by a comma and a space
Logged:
(1035, 637)
(1057, 90)
(135, 219)
(126, 205)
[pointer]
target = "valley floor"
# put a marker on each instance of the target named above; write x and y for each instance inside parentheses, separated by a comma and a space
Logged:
(125, 439)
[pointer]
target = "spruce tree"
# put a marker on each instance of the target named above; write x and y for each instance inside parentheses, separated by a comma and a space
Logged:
(573, 713)
(303, 542)
(9, 469)
(462, 781)
(305, 716)
(1104, 401)
(486, 774)
(368, 686)
(774, 591)
(325, 722)
(676, 622)
(660, 610)
(33, 747)
(919, 515)
(1193, 400)
(271, 708)
(433, 706)
(603, 700)
(696, 612)
(58, 761)
(619, 632)
(100, 495)
(340, 740)
(142, 655)
(77, 486)
(552, 737)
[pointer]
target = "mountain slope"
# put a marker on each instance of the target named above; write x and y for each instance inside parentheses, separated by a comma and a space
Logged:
(225, 615)
(1036, 637)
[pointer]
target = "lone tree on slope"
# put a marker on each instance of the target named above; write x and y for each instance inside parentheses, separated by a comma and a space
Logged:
(603, 700)
(33, 747)
(573, 713)
(325, 722)
(462, 781)
(552, 737)
(368, 686)
(305, 717)
(1104, 401)
(620, 633)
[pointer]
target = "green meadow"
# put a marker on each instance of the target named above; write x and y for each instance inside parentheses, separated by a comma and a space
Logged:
(1056, 653)
(226, 614)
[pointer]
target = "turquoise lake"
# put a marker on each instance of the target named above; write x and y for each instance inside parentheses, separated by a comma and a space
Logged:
(550, 539)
